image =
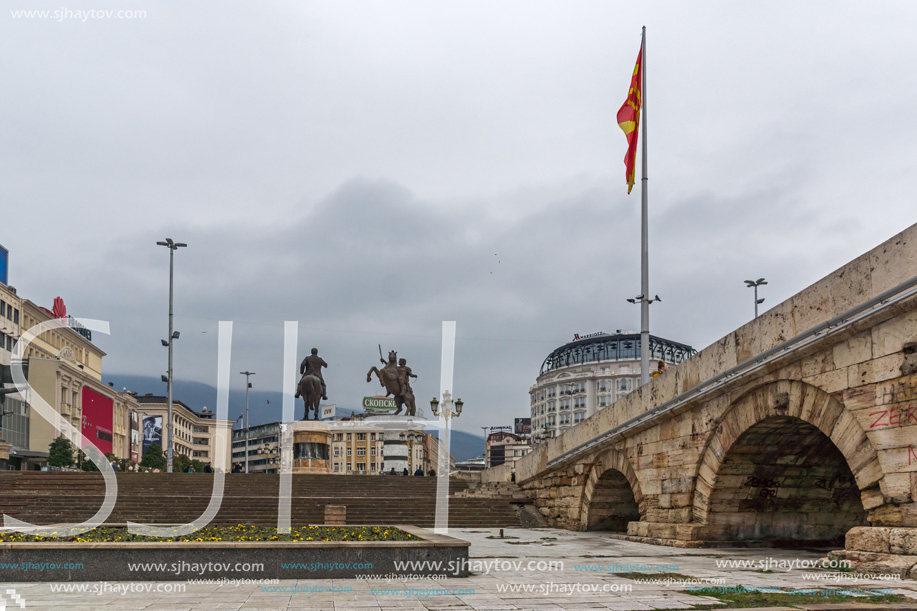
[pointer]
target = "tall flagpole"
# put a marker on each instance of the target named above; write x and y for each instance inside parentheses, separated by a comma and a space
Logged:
(644, 241)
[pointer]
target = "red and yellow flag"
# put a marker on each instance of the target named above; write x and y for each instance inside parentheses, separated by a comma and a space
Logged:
(629, 119)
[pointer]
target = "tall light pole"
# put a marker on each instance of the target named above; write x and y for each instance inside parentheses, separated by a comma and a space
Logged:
(645, 303)
(173, 335)
(755, 284)
(247, 386)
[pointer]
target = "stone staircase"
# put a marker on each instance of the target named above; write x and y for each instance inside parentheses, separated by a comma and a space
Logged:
(494, 490)
(170, 498)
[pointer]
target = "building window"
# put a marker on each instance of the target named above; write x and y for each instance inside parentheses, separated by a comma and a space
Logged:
(337, 452)
(372, 451)
(349, 467)
(372, 466)
(337, 467)
(361, 451)
(372, 436)
(361, 436)
(361, 466)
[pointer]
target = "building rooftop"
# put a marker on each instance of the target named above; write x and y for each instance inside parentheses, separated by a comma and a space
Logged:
(619, 346)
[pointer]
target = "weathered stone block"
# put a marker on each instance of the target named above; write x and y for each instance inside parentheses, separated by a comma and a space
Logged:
(903, 541)
(852, 351)
(868, 539)
(832, 381)
(896, 487)
(872, 498)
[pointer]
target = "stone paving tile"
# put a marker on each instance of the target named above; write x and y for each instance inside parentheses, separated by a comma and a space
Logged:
(491, 589)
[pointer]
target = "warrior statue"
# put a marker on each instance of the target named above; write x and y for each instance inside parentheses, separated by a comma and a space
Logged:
(311, 386)
(395, 378)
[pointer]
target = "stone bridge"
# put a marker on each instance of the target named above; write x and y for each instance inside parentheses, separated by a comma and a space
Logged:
(801, 426)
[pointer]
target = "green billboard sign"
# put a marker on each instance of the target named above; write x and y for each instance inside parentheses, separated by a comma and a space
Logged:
(379, 404)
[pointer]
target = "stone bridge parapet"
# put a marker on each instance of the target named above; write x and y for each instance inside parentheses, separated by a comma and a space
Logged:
(799, 426)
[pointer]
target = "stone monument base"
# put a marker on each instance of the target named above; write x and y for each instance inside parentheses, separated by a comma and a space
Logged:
(311, 447)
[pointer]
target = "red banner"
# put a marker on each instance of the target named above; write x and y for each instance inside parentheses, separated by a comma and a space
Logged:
(98, 419)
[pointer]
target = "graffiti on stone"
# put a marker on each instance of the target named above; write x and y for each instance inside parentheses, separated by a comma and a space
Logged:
(899, 391)
(895, 416)
(754, 482)
(911, 455)
(828, 484)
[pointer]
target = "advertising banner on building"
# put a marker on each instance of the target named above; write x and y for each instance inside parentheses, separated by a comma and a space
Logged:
(152, 431)
(4, 265)
(98, 419)
(523, 426)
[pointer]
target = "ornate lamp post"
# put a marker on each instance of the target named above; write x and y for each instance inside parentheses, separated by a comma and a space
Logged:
(442, 482)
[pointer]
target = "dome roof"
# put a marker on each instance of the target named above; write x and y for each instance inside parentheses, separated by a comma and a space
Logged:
(617, 347)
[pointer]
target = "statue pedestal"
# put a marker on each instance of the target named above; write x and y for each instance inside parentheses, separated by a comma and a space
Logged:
(4, 453)
(311, 447)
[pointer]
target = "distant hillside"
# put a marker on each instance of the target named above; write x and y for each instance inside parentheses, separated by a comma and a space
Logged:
(263, 406)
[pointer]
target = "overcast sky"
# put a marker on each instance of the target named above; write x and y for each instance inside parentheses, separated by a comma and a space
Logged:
(371, 169)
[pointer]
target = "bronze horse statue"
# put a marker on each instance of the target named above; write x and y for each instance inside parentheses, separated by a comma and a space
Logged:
(389, 378)
(310, 389)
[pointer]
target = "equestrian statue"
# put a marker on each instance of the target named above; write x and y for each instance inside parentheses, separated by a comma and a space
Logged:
(312, 385)
(395, 377)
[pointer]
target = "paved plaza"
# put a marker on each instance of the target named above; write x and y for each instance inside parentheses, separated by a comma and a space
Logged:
(506, 574)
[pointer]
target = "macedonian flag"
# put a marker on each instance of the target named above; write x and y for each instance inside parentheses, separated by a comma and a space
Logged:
(629, 119)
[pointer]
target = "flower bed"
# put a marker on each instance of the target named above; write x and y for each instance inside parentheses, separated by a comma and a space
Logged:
(235, 553)
(240, 533)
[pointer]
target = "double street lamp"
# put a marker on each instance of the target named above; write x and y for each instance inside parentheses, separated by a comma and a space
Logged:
(755, 284)
(173, 335)
(645, 303)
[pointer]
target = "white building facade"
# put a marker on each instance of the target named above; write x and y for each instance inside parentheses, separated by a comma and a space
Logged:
(589, 374)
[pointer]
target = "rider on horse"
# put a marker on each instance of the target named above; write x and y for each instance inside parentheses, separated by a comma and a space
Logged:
(312, 366)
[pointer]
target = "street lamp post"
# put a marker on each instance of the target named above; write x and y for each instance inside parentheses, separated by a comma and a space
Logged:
(755, 284)
(645, 303)
(173, 335)
(442, 481)
(247, 386)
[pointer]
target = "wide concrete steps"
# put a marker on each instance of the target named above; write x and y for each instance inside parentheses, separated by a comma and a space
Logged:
(163, 498)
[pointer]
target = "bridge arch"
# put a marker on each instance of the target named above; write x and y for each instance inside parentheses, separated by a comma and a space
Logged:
(786, 461)
(611, 495)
